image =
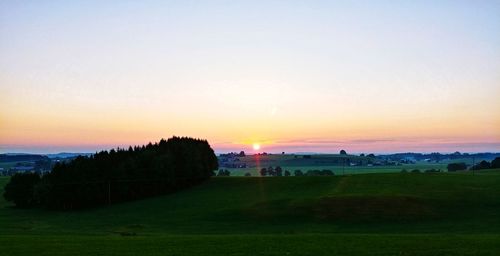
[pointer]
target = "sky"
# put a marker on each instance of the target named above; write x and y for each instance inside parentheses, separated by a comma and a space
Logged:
(293, 76)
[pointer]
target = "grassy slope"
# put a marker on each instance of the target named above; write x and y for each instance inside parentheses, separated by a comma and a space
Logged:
(412, 214)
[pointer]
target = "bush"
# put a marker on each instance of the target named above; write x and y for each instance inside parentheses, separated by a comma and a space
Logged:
(247, 174)
(453, 167)
(415, 171)
(20, 189)
(404, 171)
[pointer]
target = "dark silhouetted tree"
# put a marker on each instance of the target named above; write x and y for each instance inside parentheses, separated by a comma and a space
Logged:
(495, 163)
(298, 173)
(482, 165)
(278, 171)
(20, 189)
(270, 171)
(121, 175)
(287, 173)
(263, 172)
(343, 152)
(453, 167)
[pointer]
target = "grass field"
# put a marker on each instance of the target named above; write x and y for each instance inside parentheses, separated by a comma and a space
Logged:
(367, 214)
(331, 162)
(340, 170)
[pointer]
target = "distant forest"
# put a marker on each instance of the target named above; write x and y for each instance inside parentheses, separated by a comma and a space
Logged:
(117, 175)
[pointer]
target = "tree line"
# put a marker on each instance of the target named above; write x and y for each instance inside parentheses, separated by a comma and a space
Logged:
(117, 175)
(453, 167)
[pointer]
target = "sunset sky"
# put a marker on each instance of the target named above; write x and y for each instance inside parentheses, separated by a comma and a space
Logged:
(294, 76)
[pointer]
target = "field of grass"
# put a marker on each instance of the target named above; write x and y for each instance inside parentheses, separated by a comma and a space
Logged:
(367, 214)
(331, 162)
(341, 170)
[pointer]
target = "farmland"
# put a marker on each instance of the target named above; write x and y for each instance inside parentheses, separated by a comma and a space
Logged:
(339, 164)
(366, 214)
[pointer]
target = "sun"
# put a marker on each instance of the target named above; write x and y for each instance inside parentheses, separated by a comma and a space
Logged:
(256, 146)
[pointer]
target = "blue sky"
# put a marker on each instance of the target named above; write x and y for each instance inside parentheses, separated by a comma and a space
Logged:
(84, 75)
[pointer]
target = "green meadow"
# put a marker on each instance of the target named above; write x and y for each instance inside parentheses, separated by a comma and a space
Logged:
(365, 214)
(331, 162)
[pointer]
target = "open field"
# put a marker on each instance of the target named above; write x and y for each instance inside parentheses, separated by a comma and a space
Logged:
(368, 214)
(339, 170)
(333, 162)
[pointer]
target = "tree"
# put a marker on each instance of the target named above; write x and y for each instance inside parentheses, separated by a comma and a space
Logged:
(298, 173)
(247, 174)
(242, 153)
(453, 167)
(287, 173)
(20, 189)
(120, 175)
(371, 155)
(263, 172)
(495, 163)
(343, 152)
(270, 171)
(481, 165)
(278, 171)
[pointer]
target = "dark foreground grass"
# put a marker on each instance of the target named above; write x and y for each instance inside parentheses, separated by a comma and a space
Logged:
(372, 214)
(310, 244)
